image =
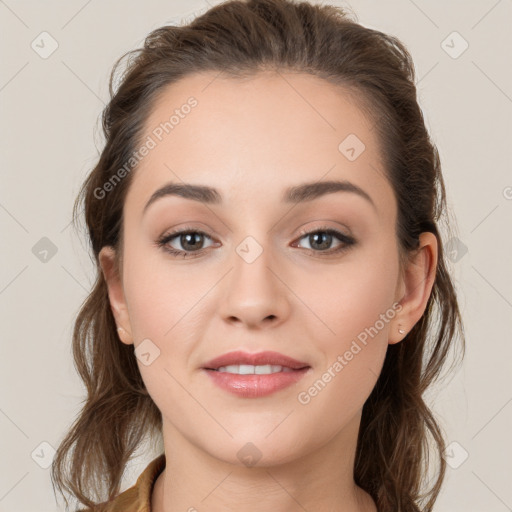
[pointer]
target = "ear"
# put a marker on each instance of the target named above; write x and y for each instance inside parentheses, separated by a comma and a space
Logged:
(107, 258)
(415, 287)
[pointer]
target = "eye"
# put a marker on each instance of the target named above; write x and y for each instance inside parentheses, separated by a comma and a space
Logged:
(320, 240)
(191, 241)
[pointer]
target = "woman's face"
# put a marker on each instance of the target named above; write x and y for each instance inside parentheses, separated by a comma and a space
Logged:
(252, 280)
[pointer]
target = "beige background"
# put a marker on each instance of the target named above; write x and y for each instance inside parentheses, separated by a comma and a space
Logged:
(49, 138)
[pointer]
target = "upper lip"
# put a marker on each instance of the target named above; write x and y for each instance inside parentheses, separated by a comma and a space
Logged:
(259, 358)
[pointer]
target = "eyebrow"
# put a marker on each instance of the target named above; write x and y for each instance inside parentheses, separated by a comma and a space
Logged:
(296, 194)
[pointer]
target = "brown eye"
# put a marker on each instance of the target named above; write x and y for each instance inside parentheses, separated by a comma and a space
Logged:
(191, 241)
(322, 239)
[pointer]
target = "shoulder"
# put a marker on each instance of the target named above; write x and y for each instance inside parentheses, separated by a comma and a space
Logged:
(138, 497)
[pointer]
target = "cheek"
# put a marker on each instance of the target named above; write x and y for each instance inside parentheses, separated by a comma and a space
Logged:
(354, 296)
(161, 295)
(356, 309)
(166, 306)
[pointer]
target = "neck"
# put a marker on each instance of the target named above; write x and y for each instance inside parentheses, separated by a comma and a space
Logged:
(321, 480)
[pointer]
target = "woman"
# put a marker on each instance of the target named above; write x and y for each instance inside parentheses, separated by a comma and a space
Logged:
(272, 296)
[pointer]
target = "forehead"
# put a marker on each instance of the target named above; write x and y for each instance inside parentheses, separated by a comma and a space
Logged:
(254, 137)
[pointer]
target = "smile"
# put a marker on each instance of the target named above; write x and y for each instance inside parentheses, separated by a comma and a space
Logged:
(248, 369)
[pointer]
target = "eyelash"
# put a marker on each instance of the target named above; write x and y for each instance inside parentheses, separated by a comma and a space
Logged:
(165, 239)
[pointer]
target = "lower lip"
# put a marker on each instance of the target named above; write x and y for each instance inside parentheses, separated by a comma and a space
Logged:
(253, 385)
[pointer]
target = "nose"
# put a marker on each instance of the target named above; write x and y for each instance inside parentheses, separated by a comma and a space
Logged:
(254, 293)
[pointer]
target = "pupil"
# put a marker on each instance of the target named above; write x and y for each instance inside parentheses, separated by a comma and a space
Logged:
(186, 239)
(325, 245)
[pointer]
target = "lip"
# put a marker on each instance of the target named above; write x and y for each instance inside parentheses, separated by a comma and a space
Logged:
(255, 385)
(259, 358)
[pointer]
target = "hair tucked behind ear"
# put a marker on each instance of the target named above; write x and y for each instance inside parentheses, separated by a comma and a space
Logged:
(399, 432)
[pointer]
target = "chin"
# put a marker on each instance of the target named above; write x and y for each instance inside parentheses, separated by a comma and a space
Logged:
(258, 451)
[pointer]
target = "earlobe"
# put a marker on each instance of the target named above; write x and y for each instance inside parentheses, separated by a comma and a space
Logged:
(109, 268)
(399, 335)
(124, 336)
(417, 283)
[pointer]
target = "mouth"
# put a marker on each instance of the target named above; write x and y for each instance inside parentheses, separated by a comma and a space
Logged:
(249, 369)
(255, 375)
(261, 363)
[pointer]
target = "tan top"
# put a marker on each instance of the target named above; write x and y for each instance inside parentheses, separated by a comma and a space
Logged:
(138, 497)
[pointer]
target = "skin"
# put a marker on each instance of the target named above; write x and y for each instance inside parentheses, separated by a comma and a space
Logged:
(251, 139)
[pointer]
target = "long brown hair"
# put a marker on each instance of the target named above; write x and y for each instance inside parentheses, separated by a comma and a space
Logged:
(241, 38)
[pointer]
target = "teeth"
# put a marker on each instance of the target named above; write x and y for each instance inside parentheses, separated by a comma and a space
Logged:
(248, 369)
